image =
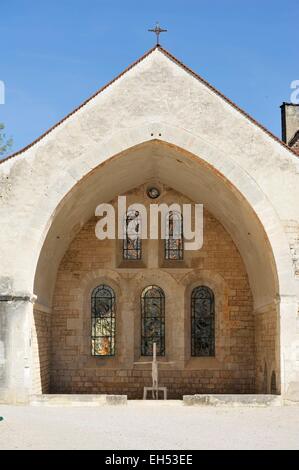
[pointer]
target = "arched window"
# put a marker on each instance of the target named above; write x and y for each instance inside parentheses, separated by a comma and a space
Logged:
(132, 236)
(152, 321)
(174, 241)
(103, 321)
(202, 322)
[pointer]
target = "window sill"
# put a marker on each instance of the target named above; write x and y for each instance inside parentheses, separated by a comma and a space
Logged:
(134, 264)
(149, 360)
(207, 362)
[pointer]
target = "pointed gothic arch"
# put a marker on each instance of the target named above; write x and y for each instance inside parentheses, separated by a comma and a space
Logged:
(138, 151)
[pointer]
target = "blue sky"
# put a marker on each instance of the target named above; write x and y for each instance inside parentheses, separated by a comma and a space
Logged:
(55, 54)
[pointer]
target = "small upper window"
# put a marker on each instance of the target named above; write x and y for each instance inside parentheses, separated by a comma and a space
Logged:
(132, 236)
(174, 241)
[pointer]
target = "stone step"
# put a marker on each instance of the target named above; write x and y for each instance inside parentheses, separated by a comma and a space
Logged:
(233, 400)
(188, 400)
(154, 403)
(77, 400)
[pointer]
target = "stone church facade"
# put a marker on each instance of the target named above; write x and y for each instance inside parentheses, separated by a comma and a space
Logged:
(158, 125)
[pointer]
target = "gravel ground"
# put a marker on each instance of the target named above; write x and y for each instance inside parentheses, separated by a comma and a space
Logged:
(148, 425)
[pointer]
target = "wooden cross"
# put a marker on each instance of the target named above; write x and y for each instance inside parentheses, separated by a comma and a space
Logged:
(155, 378)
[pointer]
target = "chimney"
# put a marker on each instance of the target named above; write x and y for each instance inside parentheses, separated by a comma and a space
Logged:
(290, 122)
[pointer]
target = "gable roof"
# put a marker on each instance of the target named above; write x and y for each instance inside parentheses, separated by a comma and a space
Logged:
(180, 64)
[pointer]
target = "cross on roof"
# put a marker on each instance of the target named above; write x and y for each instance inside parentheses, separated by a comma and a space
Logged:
(157, 30)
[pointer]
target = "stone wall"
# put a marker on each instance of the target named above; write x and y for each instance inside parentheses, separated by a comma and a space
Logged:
(15, 328)
(89, 262)
(41, 342)
(131, 381)
(266, 350)
(292, 232)
(3, 345)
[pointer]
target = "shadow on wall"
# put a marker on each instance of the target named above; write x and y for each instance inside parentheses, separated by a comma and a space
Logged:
(273, 385)
(265, 381)
(41, 351)
(3, 328)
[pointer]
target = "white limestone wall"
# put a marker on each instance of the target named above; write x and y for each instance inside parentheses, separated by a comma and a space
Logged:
(156, 99)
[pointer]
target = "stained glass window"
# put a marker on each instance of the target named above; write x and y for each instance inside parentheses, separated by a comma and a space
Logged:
(132, 239)
(103, 321)
(174, 241)
(202, 322)
(152, 321)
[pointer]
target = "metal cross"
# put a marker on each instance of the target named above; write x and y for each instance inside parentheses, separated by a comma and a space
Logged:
(157, 30)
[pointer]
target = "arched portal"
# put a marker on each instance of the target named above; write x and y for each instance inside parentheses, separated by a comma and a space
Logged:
(239, 210)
